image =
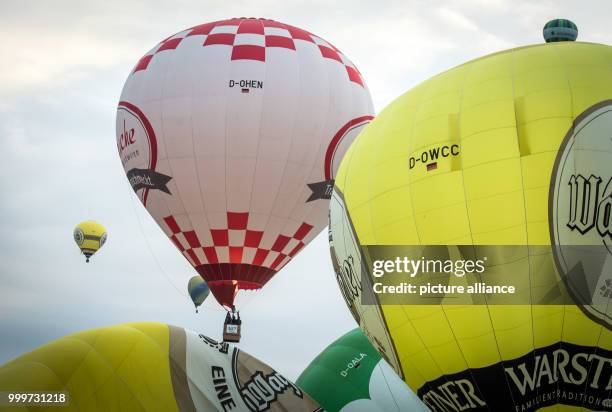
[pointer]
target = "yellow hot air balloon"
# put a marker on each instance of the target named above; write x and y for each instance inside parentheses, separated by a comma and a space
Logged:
(509, 154)
(147, 367)
(89, 236)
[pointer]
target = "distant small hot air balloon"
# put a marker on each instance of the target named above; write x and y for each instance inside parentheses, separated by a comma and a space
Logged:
(198, 290)
(560, 30)
(89, 237)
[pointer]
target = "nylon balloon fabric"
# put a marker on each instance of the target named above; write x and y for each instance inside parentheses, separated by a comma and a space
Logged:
(230, 133)
(150, 367)
(351, 376)
(507, 153)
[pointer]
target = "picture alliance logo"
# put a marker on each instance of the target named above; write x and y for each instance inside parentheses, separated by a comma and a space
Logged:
(590, 205)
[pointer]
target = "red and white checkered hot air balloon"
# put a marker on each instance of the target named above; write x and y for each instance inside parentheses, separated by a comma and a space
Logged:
(230, 133)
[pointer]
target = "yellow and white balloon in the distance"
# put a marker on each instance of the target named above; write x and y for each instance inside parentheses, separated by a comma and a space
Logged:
(89, 236)
(512, 151)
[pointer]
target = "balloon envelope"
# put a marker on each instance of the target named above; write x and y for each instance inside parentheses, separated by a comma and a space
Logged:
(151, 367)
(198, 290)
(560, 30)
(89, 236)
(351, 376)
(509, 155)
(231, 132)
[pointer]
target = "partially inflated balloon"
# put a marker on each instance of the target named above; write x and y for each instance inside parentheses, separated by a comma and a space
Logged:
(89, 237)
(507, 157)
(151, 367)
(198, 290)
(230, 133)
(350, 376)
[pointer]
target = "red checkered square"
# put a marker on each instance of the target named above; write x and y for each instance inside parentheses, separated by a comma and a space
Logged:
(302, 231)
(219, 38)
(253, 238)
(235, 254)
(329, 53)
(143, 63)
(169, 44)
(192, 239)
(280, 41)
(251, 26)
(172, 225)
(354, 75)
(220, 237)
(280, 243)
(248, 52)
(237, 220)
(277, 261)
(211, 254)
(299, 34)
(260, 257)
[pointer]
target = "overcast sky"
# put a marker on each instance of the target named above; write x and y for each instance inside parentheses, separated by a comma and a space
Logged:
(62, 69)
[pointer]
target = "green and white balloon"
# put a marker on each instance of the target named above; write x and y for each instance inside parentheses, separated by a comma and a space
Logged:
(351, 376)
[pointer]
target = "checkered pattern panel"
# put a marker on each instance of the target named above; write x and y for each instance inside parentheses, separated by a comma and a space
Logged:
(237, 244)
(249, 39)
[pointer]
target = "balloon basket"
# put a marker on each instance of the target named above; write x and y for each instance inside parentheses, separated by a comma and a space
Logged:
(231, 333)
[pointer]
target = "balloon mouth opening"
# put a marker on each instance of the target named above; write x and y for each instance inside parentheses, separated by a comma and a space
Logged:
(238, 284)
(239, 276)
(226, 290)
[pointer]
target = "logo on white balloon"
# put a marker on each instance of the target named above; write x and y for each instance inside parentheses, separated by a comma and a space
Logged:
(137, 146)
(336, 149)
(580, 212)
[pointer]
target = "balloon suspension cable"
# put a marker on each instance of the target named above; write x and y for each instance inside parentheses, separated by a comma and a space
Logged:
(146, 240)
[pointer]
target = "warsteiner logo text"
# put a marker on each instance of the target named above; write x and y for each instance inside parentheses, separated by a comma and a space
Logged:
(589, 207)
(561, 373)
